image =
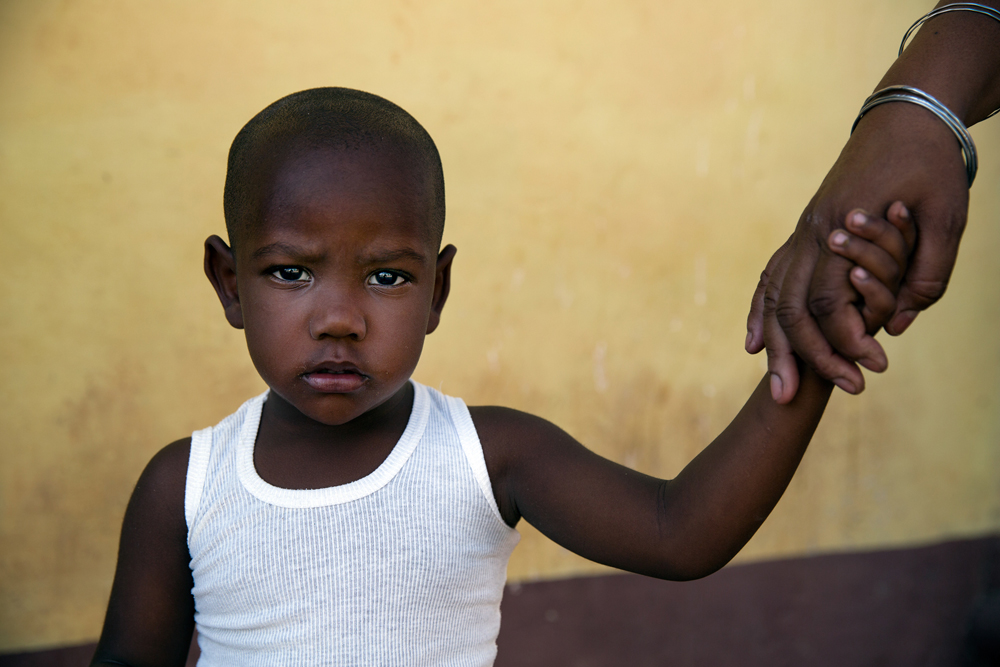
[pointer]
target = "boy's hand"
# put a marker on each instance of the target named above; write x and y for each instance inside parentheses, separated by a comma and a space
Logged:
(881, 250)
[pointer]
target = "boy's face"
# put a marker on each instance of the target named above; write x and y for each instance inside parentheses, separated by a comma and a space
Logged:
(338, 286)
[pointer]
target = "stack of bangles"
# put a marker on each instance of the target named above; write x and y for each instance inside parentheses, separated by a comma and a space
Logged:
(929, 102)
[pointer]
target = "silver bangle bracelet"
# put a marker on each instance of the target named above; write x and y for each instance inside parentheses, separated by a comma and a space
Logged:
(973, 7)
(929, 102)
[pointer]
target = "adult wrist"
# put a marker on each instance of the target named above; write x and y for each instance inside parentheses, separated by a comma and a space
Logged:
(956, 58)
(913, 133)
(915, 96)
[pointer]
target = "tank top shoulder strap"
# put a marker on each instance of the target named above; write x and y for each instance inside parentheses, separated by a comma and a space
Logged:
(201, 451)
(222, 438)
(473, 448)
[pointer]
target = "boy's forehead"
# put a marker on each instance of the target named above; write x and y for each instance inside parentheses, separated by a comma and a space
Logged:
(331, 185)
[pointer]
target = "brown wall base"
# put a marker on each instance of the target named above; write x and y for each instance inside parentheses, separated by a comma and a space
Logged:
(72, 656)
(889, 608)
(929, 606)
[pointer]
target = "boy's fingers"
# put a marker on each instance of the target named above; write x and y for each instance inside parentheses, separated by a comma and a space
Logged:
(878, 302)
(781, 365)
(899, 216)
(869, 256)
(832, 303)
(883, 235)
(780, 359)
(791, 308)
(755, 320)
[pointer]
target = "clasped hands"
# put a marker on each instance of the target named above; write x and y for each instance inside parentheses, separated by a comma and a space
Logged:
(898, 166)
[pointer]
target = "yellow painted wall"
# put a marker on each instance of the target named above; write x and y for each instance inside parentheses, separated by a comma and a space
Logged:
(618, 174)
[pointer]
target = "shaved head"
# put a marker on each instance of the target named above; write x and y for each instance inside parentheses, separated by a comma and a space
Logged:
(337, 119)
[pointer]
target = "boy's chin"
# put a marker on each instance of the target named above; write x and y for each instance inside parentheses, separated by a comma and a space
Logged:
(332, 408)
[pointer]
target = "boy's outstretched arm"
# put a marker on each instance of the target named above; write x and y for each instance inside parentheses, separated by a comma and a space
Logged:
(151, 611)
(692, 525)
(683, 528)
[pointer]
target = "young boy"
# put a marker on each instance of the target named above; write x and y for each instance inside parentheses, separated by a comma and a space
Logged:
(351, 516)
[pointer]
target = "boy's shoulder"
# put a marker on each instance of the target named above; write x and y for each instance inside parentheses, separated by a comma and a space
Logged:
(166, 473)
(169, 465)
(506, 428)
(159, 494)
(514, 442)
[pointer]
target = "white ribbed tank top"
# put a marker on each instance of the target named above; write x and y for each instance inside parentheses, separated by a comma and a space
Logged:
(403, 567)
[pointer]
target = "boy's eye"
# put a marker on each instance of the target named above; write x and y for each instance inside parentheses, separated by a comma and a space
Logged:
(291, 274)
(386, 279)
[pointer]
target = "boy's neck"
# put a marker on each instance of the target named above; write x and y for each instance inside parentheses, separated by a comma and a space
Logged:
(296, 452)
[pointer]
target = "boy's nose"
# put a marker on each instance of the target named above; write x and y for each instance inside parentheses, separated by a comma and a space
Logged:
(337, 317)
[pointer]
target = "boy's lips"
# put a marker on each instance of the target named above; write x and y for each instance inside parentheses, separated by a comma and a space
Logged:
(335, 378)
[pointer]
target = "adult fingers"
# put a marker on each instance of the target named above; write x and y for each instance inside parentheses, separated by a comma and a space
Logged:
(933, 260)
(755, 320)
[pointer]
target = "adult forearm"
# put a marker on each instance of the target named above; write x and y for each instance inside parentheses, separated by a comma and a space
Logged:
(956, 58)
(716, 504)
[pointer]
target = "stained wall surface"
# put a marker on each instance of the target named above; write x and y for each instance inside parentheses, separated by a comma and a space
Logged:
(618, 174)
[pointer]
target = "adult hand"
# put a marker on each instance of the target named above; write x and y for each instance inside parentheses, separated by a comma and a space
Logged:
(805, 304)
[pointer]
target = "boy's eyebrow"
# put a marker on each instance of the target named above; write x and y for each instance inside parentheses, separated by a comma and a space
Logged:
(279, 248)
(377, 257)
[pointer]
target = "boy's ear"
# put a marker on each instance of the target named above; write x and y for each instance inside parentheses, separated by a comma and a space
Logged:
(220, 267)
(442, 285)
